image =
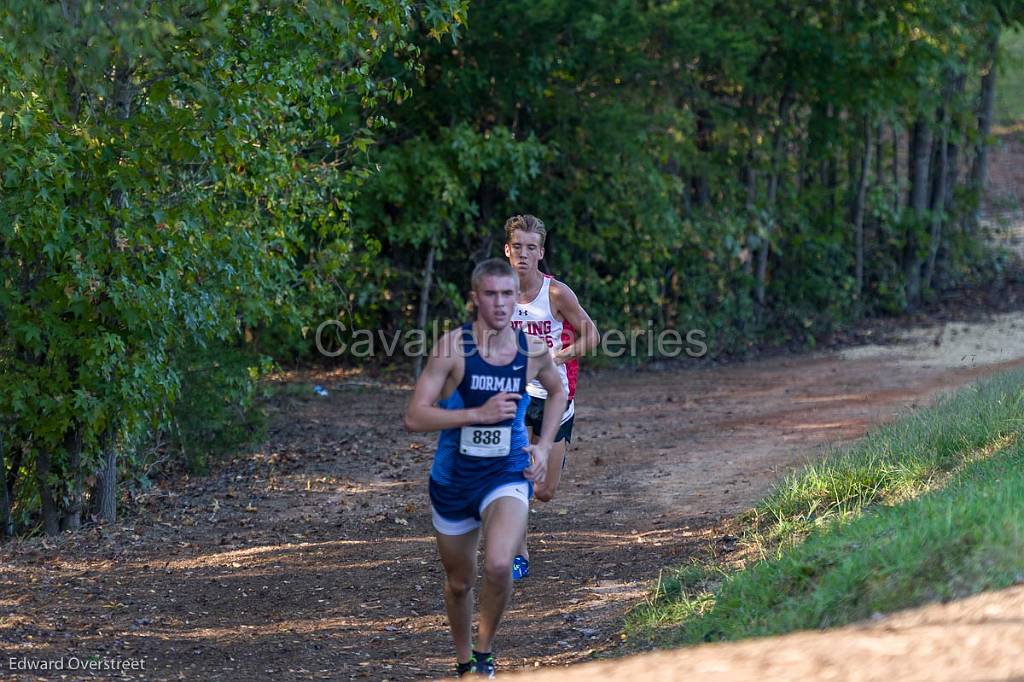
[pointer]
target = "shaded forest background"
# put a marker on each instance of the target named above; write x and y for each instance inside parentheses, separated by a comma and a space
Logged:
(190, 188)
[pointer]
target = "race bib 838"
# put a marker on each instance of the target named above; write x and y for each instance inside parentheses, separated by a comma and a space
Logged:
(485, 441)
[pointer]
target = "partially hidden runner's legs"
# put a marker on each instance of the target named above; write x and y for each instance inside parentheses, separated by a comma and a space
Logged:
(504, 522)
(458, 556)
(546, 491)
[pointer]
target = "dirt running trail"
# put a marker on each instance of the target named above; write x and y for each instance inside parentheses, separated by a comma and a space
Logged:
(977, 638)
(312, 556)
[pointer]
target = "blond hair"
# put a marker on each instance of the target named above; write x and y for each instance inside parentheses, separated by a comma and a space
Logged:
(525, 223)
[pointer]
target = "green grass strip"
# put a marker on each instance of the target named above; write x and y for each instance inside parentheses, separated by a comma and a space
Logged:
(928, 508)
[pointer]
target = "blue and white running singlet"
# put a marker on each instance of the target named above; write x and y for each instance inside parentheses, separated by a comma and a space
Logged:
(474, 460)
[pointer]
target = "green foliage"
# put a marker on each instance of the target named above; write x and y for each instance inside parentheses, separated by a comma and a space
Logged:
(217, 411)
(438, 190)
(173, 172)
(674, 143)
(179, 174)
(1010, 95)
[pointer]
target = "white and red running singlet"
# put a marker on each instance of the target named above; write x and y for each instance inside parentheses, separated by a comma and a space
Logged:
(536, 319)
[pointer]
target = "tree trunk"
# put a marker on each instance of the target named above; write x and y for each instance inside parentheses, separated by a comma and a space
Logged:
(896, 198)
(765, 246)
(71, 516)
(105, 505)
(750, 180)
(979, 171)
(6, 527)
(858, 212)
(51, 524)
(953, 150)
(852, 172)
(938, 205)
(122, 102)
(700, 191)
(940, 180)
(421, 317)
(831, 179)
(705, 127)
(952, 175)
(773, 190)
(873, 221)
(801, 165)
(952, 171)
(919, 161)
(69, 8)
(12, 474)
(105, 491)
(879, 155)
(103, 500)
(673, 168)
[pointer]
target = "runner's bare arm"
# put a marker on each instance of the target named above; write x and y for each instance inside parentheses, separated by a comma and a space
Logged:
(422, 413)
(568, 307)
(556, 401)
(554, 406)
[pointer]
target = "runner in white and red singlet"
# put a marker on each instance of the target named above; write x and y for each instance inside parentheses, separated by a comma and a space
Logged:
(547, 309)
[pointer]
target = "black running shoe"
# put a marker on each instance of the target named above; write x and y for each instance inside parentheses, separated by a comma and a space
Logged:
(483, 665)
(463, 669)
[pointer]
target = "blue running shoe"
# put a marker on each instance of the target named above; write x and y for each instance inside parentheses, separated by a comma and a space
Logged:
(482, 665)
(520, 567)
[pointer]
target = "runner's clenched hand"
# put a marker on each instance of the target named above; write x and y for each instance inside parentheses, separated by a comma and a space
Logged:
(538, 462)
(498, 408)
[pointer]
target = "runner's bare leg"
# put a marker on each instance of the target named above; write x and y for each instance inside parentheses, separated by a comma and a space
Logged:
(458, 556)
(546, 493)
(504, 523)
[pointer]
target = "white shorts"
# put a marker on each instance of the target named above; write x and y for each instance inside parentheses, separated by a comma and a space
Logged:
(520, 491)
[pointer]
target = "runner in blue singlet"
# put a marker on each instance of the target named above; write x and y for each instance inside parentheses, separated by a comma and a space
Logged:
(473, 390)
